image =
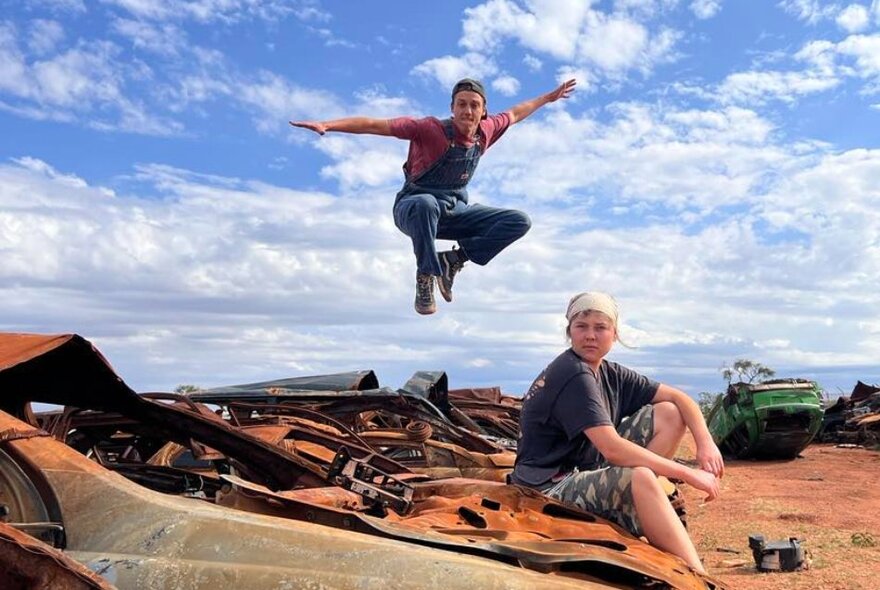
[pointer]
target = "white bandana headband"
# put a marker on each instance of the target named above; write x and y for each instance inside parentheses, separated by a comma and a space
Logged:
(593, 301)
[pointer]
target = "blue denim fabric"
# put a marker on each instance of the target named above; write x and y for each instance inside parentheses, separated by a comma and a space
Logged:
(434, 205)
(481, 231)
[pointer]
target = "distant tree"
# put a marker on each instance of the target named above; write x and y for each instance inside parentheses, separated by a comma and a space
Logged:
(187, 388)
(746, 371)
(706, 399)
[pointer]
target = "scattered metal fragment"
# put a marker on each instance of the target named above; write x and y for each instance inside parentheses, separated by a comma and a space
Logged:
(776, 556)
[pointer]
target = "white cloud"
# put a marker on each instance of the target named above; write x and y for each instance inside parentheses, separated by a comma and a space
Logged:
(12, 64)
(705, 9)
(156, 9)
(572, 31)
(449, 69)
(613, 44)
(59, 6)
(506, 85)
(220, 10)
(644, 8)
(550, 27)
(853, 18)
(865, 49)
(758, 87)
(533, 63)
(272, 98)
(811, 11)
(85, 81)
(45, 35)
(162, 39)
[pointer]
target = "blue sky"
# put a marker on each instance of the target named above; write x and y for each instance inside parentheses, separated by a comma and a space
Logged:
(717, 170)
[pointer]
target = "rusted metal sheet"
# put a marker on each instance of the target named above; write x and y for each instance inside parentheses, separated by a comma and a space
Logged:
(270, 391)
(490, 520)
(27, 563)
(17, 348)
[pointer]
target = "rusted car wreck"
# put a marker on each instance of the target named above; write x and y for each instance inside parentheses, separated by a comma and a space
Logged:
(854, 419)
(282, 497)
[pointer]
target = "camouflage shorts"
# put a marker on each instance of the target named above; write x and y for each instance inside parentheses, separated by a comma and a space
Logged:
(607, 491)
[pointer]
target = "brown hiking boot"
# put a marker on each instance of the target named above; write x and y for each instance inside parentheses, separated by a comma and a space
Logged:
(449, 267)
(425, 294)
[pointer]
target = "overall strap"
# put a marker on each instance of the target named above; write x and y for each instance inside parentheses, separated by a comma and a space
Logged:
(449, 130)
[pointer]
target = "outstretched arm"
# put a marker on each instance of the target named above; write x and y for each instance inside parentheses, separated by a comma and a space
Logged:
(526, 108)
(348, 125)
(708, 456)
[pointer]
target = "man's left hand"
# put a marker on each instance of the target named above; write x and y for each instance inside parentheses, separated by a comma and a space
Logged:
(563, 91)
(709, 459)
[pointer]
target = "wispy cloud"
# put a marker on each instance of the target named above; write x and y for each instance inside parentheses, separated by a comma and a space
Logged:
(811, 11)
(705, 9)
(220, 10)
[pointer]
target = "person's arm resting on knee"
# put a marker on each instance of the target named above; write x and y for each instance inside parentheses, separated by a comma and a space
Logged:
(621, 452)
(708, 456)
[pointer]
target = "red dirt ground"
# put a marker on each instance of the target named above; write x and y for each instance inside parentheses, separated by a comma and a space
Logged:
(829, 497)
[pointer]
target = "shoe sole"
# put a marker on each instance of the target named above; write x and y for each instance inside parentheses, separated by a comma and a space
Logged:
(426, 311)
(447, 295)
(441, 285)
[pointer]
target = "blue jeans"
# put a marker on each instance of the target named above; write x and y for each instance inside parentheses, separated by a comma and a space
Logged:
(481, 231)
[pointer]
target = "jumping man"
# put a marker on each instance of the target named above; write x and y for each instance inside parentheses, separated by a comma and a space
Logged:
(433, 203)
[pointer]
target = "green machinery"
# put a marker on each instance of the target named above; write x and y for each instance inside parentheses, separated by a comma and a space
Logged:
(774, 419)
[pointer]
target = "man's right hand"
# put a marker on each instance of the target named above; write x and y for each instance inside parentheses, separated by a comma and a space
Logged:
(706, 482)
(315, 126)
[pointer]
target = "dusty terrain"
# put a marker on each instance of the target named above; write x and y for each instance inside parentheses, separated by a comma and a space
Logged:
(829, 497)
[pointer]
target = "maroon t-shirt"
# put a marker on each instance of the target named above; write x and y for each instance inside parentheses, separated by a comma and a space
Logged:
(428, 140)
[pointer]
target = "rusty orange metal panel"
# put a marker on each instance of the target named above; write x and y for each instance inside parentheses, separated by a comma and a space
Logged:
(28, 563)
(18, 348)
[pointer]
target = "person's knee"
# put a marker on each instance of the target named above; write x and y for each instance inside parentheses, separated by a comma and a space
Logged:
(643, 478)
(424, 206)
(521, 221)
(415, 210)
(667, 416)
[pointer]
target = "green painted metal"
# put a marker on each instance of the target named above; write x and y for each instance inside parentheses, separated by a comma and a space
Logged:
(774, 419)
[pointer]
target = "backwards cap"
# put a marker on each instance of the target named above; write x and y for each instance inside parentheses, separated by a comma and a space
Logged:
(469, 84)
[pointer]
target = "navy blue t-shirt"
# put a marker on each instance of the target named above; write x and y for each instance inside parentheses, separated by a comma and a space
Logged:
(566, 398)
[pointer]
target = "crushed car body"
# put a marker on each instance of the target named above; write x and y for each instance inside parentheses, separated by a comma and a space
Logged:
(264, 516)
(774, 419)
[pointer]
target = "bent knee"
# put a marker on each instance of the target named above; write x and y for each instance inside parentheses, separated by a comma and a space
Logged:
(667, 414)
(520, 220)
(644, 478)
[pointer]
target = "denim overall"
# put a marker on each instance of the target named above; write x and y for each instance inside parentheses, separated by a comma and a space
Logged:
(434, 205)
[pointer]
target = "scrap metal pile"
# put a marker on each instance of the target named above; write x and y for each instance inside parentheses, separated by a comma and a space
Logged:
(854, 419)
(328, 481)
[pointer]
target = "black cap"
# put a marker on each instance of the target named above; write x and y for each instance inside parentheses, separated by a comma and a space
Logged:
(469, 84)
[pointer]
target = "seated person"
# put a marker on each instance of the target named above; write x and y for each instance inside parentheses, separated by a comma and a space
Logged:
(596, 434)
